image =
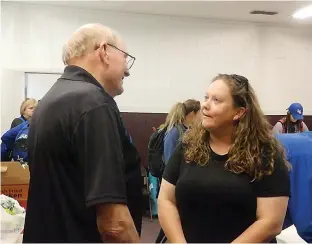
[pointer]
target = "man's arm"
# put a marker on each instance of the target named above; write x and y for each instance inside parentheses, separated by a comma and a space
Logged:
(99, 156)
(115, 223)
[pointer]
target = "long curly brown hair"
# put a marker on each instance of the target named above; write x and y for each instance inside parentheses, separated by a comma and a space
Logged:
(253, 139)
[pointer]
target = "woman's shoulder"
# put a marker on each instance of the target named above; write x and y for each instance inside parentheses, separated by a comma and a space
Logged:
(172, 132)
(18, 119)
(16, 122)
(179, 149)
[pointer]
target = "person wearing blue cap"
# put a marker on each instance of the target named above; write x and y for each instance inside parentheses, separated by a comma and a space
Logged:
(293, 122)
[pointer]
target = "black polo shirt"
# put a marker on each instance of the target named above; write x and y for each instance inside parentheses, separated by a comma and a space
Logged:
(80, 155)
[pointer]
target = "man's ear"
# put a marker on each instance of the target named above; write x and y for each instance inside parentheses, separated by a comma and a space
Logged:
(241, 111)
(104, 54)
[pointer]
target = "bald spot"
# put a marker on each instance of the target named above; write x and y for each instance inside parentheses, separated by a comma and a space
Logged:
(86, 38)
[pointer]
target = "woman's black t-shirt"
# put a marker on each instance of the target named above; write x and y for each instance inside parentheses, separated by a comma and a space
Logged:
(216, 205)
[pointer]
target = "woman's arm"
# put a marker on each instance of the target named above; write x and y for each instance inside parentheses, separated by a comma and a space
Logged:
(8, 138)
(305, 127)
(168, 213)
(278, 128)
(16, 122)
(271, 213)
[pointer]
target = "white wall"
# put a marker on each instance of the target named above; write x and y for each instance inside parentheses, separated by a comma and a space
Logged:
(37, 84)
(12, 95)
(176, 57)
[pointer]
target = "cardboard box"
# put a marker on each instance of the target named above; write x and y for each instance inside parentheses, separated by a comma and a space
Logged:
(15, 181)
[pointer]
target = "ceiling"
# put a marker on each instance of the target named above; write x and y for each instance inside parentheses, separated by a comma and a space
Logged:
(225, 10)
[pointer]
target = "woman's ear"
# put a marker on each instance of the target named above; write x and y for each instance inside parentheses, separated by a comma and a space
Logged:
(240, 113)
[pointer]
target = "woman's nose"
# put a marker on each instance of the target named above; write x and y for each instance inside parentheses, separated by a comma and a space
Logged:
(205, 104)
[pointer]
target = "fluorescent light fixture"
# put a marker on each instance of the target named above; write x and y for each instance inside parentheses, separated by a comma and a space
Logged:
(303, 13)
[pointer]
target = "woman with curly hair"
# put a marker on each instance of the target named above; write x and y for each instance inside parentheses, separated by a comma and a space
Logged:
(228, 180)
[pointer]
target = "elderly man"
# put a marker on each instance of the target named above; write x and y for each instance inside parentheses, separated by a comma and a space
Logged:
(84, 169)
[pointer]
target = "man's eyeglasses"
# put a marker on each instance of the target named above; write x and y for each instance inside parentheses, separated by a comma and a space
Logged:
(243, 81)
(130, 59)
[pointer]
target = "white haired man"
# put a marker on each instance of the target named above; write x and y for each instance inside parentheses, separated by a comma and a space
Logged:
(82, 162)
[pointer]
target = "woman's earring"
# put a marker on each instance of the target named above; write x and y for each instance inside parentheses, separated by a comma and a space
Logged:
(235, 121)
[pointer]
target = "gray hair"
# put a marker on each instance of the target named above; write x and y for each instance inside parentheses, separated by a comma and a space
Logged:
(85, 39)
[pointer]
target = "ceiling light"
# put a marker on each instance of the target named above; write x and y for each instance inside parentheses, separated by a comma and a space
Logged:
(303, 13)
(261, 12)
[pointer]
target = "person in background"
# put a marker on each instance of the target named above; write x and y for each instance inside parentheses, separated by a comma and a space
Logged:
(228, 180)
(26, 111)
(293, 122)
(15, 142)
(81, 159)
(179, 119)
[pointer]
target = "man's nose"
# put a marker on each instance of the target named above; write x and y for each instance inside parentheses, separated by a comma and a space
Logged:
(127, 73)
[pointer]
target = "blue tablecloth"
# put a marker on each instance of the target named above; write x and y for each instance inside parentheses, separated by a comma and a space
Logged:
(298, 147)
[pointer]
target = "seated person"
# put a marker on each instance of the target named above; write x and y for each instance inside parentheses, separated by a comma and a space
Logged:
(14, 141)
(26, 111)
(293, 122)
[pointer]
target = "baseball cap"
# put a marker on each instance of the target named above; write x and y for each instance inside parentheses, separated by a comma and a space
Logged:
(296, 110)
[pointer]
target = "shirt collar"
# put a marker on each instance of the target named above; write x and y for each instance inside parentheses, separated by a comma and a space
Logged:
(73, 72)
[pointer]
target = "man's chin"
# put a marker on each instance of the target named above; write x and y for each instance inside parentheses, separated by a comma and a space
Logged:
(120, 91)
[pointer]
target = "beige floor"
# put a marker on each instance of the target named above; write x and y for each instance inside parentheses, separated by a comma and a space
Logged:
(150, 231)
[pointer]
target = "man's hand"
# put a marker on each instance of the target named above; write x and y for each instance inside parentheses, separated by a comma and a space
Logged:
(115, 223)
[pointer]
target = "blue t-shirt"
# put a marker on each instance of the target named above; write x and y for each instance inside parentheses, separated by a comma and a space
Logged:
(171, 140)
